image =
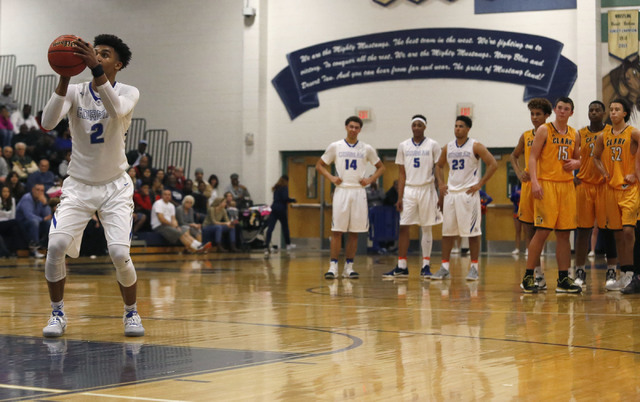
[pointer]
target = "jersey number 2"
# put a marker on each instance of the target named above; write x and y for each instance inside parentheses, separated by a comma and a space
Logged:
(96, 134)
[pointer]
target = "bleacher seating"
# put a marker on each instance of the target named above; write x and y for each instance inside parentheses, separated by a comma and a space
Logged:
(33, 89)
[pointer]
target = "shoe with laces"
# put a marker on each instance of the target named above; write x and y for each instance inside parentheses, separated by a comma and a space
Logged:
(581, 278)
(473, 274)
(621, 283)
(528, 284)
(132, 324)
(332, 273)
(633, 286)
(56, 326)
(425, 273)
(397, 273)
(349, 273)
(290, 246)
(567, 285)
(441, 274)
(610, 277)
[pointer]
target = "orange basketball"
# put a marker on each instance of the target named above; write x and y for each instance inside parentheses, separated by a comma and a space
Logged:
(61, 57)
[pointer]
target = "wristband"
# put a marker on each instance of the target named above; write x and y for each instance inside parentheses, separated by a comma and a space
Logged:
(97, 71)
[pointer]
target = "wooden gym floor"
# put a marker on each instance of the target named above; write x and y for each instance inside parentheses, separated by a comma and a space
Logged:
(238, 327)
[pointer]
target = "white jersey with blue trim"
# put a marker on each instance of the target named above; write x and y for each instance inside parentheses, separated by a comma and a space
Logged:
(418, 160)
(463, 165)
(350, 160)
(98, 122)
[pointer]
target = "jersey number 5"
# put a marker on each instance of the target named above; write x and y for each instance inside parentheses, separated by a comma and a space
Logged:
(353, 164)
(96, 134)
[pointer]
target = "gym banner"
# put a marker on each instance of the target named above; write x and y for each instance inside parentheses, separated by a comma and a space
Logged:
(623, 33)
(529, 60)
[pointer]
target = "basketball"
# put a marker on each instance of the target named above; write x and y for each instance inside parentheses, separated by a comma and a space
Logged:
(61, 57)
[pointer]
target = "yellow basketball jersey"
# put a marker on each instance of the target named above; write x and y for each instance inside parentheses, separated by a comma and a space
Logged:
(559, 147)
(618, 156)
(528, 141)
(588, 172)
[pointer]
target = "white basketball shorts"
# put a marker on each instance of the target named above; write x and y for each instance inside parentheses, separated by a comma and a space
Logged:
(420, 206)
(350, 211)
(112, 201)
(461, 214)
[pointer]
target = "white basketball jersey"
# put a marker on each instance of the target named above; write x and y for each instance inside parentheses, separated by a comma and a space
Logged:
(97, 127)
(463, 165)
(350, 160)
(418, 160)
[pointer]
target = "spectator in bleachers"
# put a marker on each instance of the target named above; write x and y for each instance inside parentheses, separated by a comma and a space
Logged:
(29, 137)
(147, 177)
(176, 195)
(6, 126)
(240, 193)
(217, 223)
(7, 100)
(156, 189)
(186, 216)
(161, 175)
(4, 170)
(199, 178)
(24, 117)
(202, 203)
(22, 163)
(8, 226)
(180, 178)
(45, 149)
(143, 163)
(213, 183)
(43, 176)
(134, 156)
(33, 214)
(15, 185)
(163, 221)
(199, 200)
(134, 177)
(64, 165)
(142, 205)
(7, 155)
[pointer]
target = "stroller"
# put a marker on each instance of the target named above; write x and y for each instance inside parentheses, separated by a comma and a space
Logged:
(252, 224)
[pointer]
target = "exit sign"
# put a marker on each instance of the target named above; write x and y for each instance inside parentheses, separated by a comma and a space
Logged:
(465, 109)
(364, 113)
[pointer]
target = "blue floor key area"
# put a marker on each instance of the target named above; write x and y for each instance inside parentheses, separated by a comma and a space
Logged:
(39, 367)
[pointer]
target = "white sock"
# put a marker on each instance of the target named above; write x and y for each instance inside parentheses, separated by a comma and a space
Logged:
(402, 263)
(333, 266)
(426, 261)
(474, 265)
(195, 244)
(58, 306)
(445, 265)
(133, 307)
(427, 241)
